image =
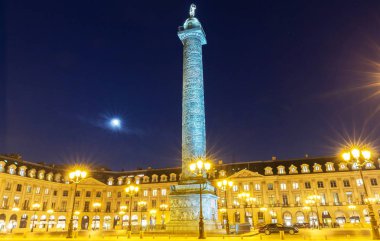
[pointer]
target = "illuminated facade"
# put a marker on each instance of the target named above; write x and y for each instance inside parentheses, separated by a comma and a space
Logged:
(280, 189)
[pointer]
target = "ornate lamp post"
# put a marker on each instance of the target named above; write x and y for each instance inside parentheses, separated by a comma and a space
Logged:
(131, 190)
(96, 207)
(361, 158)
(35, 207)
(163, 208)
(200, 169)
(142, 207)
(50, 211)
(76, 177)
(313, 200)
(224, 185)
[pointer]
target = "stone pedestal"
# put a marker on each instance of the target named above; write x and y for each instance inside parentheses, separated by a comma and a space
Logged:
(185, 205)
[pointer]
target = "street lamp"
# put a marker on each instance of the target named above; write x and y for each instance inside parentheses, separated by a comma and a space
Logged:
(96, 207)
(75, 177)
(224, 185)
(35, 207)
(142, 206)
(163, 208)
(313, 200)
(361, 158)
(131, 190)
(50, 211)
(200, 169)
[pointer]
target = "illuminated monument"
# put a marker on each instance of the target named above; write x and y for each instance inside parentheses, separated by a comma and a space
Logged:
(185, 197)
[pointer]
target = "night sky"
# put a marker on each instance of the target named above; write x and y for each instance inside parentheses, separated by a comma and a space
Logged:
(282, 78)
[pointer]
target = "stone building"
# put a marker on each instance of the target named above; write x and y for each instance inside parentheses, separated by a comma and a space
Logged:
(278, 190)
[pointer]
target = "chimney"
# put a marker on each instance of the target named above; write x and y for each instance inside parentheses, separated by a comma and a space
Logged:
(220, 162)
(274, 158)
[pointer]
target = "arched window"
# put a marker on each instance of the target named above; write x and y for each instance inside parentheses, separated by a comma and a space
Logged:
(343, 166)
(110, 181)
(173, 177)
(12, 169)
(330, 166)
(305, 168)
(317, 167)
(154, 178)
(145, 179)
(163, 178)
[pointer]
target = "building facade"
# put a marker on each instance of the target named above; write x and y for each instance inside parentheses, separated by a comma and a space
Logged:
(41, 196)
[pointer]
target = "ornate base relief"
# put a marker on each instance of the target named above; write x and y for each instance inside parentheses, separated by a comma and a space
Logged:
(184, 208)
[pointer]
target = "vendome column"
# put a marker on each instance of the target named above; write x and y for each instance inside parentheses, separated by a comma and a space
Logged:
(184, 197)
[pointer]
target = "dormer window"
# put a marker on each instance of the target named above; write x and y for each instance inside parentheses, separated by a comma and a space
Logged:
(137, 180)
(268, 171)
(2, 166)
(369, 165)
(57, 177)
(355, 166)
(12, 169)
(305, 168)
(330, 166)
(22, 171)
(110, 181)
(154, 178)
(293, 169)
(145, 179)
(49, 176)
(222, 173)
(41, 174)
(32, 173)
(120, 181)
(281, 170)
(317, 167)
(173, 177)
(343, 166)
(163, 178)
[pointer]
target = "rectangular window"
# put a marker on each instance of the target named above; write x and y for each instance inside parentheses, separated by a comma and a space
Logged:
(307, 185)
(283, 186)
(333, 183)
(323, 199)
(349, 197)
(18, 188)
(38, 190)
(154, 192)
(28, 189)
(297, 200)
(8, 186)
(359, 182)
(154, 203)
(65, 193)
(346, 183)
(271, 199)
(76, 205)
(163, 192)
(145, 193)
(16, 201)
(235, 188)
(98, 194)
(55, 193)
(86, 206)
(320, 184)
(88, 193)
(373, 181)
(108, 207)
(77, 193)
(295, 186)
(336, 198)
(109, 194)
(52, 205)
(44, 206)
(63, 206)
(270, 186)
(118, 194)
(25, 206)
(46, 191)
(246, 187)
(285, 200)
(257, 187)
(4, 204)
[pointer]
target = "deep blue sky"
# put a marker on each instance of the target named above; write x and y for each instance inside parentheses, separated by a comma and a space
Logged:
(280, 79)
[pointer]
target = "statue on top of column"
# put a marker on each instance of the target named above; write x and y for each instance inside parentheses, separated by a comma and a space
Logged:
(192, 10)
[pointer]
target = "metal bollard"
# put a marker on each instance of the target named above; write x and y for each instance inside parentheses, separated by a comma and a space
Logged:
(325, 237)
(261, 237)
(282, 235)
